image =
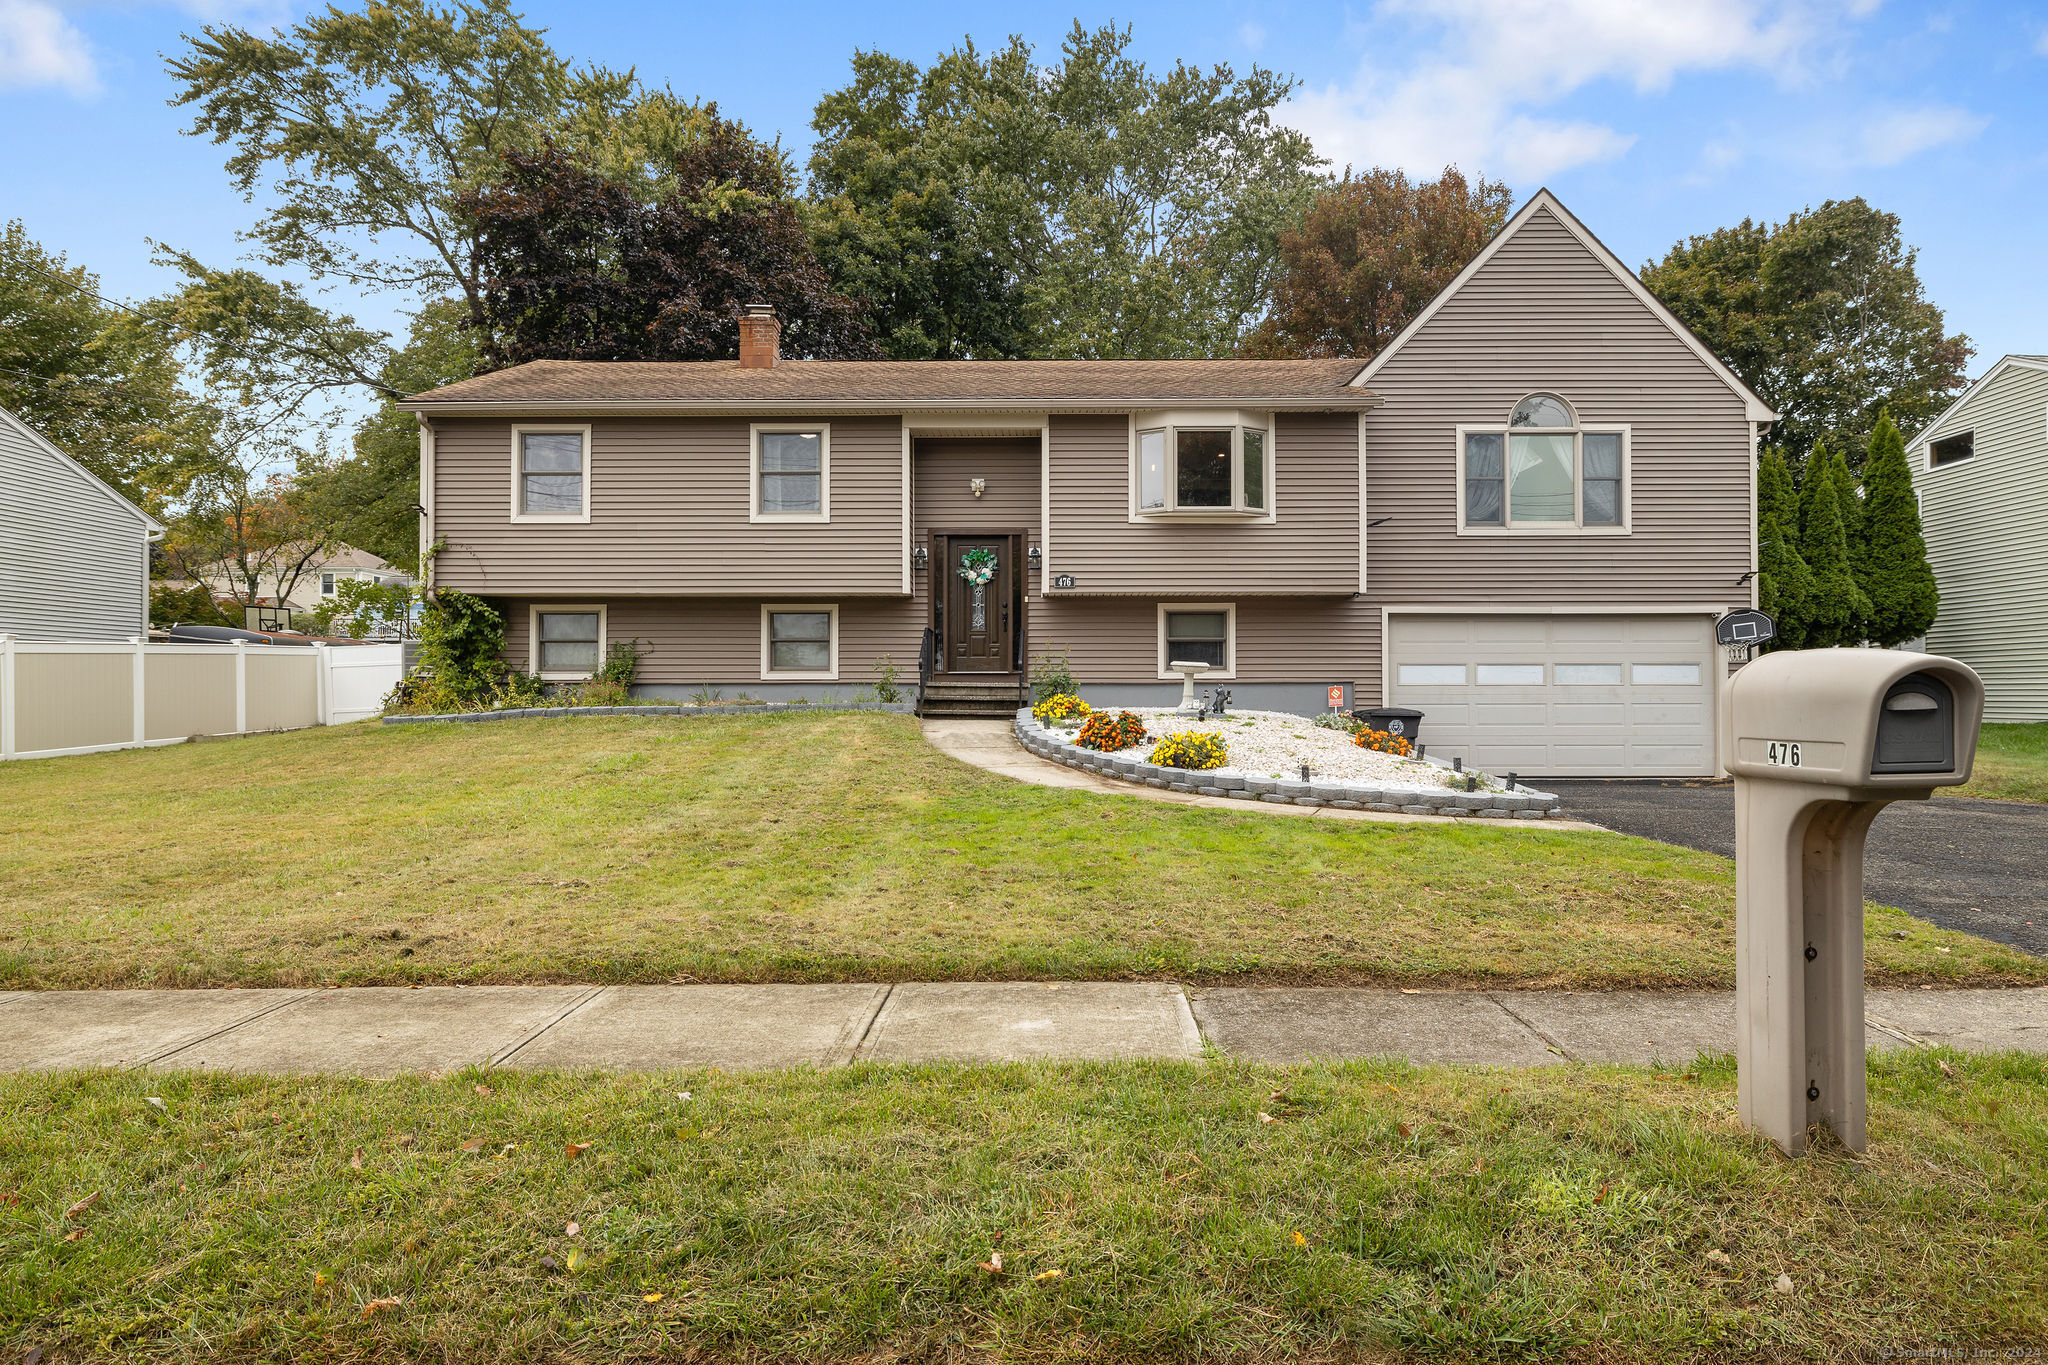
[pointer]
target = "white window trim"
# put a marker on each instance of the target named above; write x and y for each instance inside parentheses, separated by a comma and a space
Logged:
(533, 615)
(519, 512)
(1971, 458)
(329, 583)
(1229, 610)
(755, 432)
(1574, 527)
(1238, 421)
(770, 674)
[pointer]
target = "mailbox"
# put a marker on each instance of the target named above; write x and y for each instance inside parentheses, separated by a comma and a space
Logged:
(1819, 741)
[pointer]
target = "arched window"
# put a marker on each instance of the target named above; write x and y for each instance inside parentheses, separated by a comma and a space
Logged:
(1545, 471)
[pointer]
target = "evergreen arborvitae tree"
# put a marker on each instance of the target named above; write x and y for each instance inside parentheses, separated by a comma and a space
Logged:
(1784, 583)
(1896, 575)
(1837, 608)
(1851, 502)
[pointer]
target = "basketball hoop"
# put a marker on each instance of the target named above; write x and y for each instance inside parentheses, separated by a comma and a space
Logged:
(1737, 654)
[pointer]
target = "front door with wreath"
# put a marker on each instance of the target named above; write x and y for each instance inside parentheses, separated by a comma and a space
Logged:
(978, 591)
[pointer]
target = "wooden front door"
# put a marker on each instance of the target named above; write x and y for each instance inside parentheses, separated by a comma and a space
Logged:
(979, 616)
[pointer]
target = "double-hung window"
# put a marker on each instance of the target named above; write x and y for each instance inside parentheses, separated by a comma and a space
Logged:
(1198, 633)
(1543, 471)
(567, 641)
(327, 585)
(799, 641)
(792, 473)
(551, 473)
(1218, 469)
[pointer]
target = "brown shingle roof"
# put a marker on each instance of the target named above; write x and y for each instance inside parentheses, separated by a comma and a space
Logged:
(901, 383)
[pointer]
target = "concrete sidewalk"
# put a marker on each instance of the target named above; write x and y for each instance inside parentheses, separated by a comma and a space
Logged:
(386, 1030)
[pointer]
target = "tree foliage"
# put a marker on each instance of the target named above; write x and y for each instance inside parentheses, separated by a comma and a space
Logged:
(1896, 575)
(1837, 610)
(991, 206)
(369, 498)
(1371, 253)
(1784, 583)
(1824, 316)
(578, 267)
(100, 381)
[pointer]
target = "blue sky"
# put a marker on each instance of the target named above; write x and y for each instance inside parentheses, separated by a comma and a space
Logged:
(1652, 121)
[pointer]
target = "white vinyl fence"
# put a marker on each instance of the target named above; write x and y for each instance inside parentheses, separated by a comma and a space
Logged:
(60, 699)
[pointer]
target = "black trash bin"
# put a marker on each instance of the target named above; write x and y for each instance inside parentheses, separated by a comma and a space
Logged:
(1395, 720)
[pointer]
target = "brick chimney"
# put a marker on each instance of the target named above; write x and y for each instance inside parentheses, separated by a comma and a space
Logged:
(760, 338)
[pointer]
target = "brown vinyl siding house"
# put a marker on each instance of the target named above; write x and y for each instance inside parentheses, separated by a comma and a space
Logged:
(1543, 592)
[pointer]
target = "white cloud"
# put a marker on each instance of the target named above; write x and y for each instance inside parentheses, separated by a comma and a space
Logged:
(40, 47)
(1477, 96)
(1892, 136)
(1252, 34)
(2041, 43)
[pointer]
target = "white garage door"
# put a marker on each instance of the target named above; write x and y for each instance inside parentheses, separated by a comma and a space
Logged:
(1560, 696)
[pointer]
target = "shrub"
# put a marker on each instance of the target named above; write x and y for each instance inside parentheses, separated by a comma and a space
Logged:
(462, 644)
(1190, 749)
(1059, 707)
(1396, 745)
(621, 663)
(1337, 720)
(886, 671)
(1109, 733)
(1052, 677)
(170, 606)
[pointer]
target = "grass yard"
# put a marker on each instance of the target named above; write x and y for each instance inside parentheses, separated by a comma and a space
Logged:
(803, 848)
(2012, 764)
(1141, 1212)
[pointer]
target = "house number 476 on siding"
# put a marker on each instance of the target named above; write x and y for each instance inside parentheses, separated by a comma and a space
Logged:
(1782, 753)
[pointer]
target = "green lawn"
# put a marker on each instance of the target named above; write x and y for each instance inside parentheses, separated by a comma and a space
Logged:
(796, 848)
(1141, 1212)
(2012, 764)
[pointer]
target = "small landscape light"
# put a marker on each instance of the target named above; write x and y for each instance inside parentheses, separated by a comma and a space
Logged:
(1511, 781)
(1304, 772)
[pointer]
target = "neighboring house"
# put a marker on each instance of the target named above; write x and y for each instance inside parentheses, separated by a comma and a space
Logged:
(1522, 518)
(74, 554)
(1981, 470)
(317, 584)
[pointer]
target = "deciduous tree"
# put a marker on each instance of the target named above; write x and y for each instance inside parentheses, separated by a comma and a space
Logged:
(98, 379)
(1371, 253)
(1824, 316)
(993, 206)
(578, 267)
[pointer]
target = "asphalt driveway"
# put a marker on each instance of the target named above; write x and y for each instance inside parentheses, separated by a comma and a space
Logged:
(1979, 866)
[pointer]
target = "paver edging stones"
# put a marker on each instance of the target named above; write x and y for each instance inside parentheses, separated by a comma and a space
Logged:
(758, 709)
(1522, 803)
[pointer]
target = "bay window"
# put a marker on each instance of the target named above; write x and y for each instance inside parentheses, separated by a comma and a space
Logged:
(1213, 467)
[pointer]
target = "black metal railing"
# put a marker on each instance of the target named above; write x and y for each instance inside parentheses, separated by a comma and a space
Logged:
(927, 658)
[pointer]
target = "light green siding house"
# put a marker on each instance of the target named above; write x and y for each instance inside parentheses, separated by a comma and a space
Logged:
(1981, 470)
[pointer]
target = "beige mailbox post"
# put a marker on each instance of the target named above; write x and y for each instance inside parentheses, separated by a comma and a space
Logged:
(1819, 741)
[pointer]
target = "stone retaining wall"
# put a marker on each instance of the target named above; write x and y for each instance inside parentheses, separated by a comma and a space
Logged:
(750, 709)
(1519, 804)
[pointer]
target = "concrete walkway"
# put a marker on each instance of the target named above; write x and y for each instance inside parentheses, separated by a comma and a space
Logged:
(385, 1030)
(992, 746)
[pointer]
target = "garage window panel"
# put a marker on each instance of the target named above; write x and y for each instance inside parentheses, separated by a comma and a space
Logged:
(1589, 675)
(1509, 675)
(1432, 675)
(1665, 675)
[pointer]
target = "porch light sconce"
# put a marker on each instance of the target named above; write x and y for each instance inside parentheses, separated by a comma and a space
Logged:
(979, 486)
(1035, 557)
(919, 557)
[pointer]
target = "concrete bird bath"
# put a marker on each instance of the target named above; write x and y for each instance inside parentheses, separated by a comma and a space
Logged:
(1188, 672)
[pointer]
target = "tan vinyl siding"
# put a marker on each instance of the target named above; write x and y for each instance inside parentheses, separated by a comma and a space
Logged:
(1310, 548)
(944, 501)
(669, 505)
(717, 641)
(1545, 315)
(1983, 518)
(1279, 639)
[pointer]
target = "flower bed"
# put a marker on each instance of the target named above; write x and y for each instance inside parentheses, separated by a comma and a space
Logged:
(1265, 751)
